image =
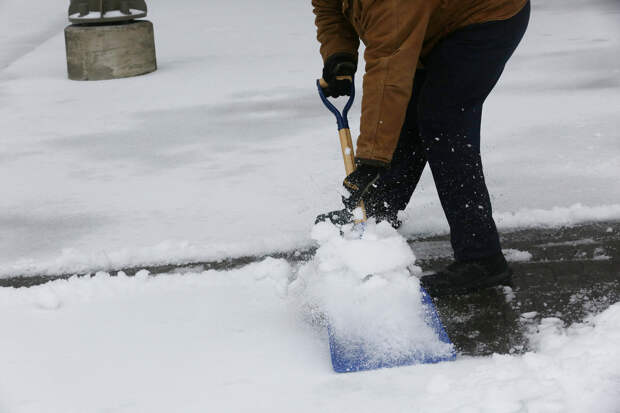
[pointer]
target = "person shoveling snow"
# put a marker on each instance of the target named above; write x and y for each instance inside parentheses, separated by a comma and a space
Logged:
(429, 68)
(377, 314)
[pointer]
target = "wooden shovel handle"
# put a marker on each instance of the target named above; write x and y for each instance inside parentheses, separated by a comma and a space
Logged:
(346, 143)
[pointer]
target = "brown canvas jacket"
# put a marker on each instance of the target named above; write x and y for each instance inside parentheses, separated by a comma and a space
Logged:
(396, 34)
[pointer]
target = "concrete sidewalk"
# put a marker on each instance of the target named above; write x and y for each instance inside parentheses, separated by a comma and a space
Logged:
(572, 272)
(567, 273)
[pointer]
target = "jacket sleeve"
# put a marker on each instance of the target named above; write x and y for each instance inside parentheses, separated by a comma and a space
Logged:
(334, 31)
(394, 32)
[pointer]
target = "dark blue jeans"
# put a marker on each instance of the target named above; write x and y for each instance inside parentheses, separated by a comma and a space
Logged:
(443, 128)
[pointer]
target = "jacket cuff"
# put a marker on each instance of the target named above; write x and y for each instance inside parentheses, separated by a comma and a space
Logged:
(372, 162)
(341, 57)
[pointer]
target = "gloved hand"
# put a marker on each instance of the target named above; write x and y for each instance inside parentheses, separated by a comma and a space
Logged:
(360, 182)
(339, 64)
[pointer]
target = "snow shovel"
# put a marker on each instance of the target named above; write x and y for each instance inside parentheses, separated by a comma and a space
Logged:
(346, 357)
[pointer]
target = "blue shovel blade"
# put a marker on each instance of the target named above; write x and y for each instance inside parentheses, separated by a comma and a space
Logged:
(351, 357)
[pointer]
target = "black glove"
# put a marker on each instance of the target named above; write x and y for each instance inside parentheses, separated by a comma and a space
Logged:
(359, 183)
(339, 64)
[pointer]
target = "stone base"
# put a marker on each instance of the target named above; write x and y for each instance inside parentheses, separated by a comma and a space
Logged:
(110, 51)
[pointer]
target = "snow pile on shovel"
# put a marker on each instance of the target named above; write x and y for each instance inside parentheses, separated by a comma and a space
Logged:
(363, 289)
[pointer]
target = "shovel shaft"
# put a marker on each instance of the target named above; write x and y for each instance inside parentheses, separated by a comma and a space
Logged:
(346, 143)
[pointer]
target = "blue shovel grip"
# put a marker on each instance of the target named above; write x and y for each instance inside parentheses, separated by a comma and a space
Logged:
(341, 118)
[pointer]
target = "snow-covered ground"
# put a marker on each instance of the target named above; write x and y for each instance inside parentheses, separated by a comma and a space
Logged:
(226, 150)
(236, 342)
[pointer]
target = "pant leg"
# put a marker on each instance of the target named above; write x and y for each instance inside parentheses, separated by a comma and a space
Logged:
(396, 185)
(461, 72)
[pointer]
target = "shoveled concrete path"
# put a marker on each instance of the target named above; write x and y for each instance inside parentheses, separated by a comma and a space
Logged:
(567, 273)
(570, 273)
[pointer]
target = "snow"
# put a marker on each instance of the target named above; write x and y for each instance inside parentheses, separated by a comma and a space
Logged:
(227, 151)
(513, 255)
(22, 30)
(111, 13)
(362, 286)
(380, 249)
(237, 341)
(529, 315)
(599, 255)
(509, 294)
(535, 218)
(90, 15)
(215, 156)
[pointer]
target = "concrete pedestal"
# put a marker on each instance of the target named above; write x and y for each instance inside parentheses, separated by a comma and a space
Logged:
(110, 51)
